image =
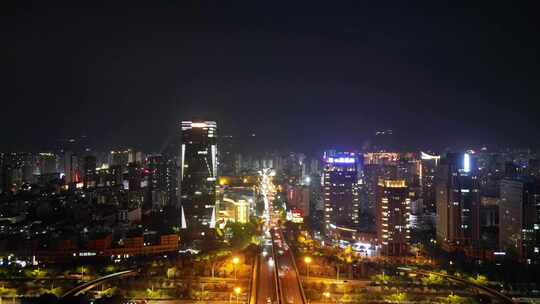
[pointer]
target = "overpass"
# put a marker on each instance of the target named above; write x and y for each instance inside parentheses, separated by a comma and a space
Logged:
(84, 287)
(489, 291)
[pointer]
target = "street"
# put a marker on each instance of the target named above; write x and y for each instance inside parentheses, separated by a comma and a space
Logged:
(266, 288)
(276, 255)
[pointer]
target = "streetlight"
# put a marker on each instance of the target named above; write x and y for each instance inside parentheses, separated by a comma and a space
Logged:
(235, 261)
(307, 260)
(237, 291)
(326, 294)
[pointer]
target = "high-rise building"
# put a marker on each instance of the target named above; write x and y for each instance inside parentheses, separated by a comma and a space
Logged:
(340, 189)
(71, 168)
(519, 218)
(458, 201)
(121, 158)
(393, 216)
(89, 171)
(298, 198)
(198, 174)
(428, 171)
(161, 181)
(47, 163)
(372, 173)
(227, 152)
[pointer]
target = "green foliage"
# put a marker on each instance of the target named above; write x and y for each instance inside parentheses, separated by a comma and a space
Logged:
(455, 299)
(55, 291)
(35, 273)
(7, 292)
(241, 234)
(432, 279)
(380, 278)
(199, 294)
(171, 272)
(110, 269)
(154, 294)
(109, 292)
(479, 279)
(397, 297)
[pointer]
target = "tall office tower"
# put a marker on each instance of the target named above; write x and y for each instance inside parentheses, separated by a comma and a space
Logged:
(89, 171)
(489, 222)
(158, 180)
(429, 164)
(198, 174)
(71, 168)
(458, 202)
(47, 163)
(519, 218)
(134, 176)
(533, 167)
(393, 216)
(340, 189)
(227, 152)
(377, 166)
(121, 158)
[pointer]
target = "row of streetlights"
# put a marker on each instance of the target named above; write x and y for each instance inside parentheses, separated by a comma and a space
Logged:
(308, 261)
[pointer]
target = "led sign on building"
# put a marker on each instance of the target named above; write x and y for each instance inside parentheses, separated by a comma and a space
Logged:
(341, 160)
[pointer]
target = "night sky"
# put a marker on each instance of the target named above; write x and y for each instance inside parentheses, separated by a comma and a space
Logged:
(302, 75)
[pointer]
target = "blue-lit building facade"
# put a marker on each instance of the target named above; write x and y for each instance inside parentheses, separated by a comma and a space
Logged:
(340, 190)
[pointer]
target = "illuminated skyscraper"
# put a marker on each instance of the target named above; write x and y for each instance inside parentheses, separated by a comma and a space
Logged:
(376, 166)
(393, 216)
(429, 165)
(198, 174)
(340, 190)
(519, 218)
(89, 171)
(458, 201)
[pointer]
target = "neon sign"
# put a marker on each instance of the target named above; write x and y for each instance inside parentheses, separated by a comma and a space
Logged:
(341, 160)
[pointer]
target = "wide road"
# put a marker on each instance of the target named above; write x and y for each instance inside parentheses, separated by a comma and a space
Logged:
(289, 279)
(277, 257)
(266, 289)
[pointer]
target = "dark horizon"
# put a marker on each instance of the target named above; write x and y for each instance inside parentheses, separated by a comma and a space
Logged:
(305, 78)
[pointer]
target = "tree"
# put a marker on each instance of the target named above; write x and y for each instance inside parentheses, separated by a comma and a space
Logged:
(7, 292)
(153, 294)
(380, 278)
(171, 272)
(432, 279)
(455, 299)
(109, 292)
(55, 291)
(110, 269)
(35, 273)
(397, 297)
(82, 270)
(479, 279)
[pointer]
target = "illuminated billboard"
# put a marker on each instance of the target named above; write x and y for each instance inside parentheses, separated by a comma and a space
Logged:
(341, 160)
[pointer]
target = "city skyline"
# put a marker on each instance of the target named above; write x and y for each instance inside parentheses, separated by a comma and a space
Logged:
(256, 152)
